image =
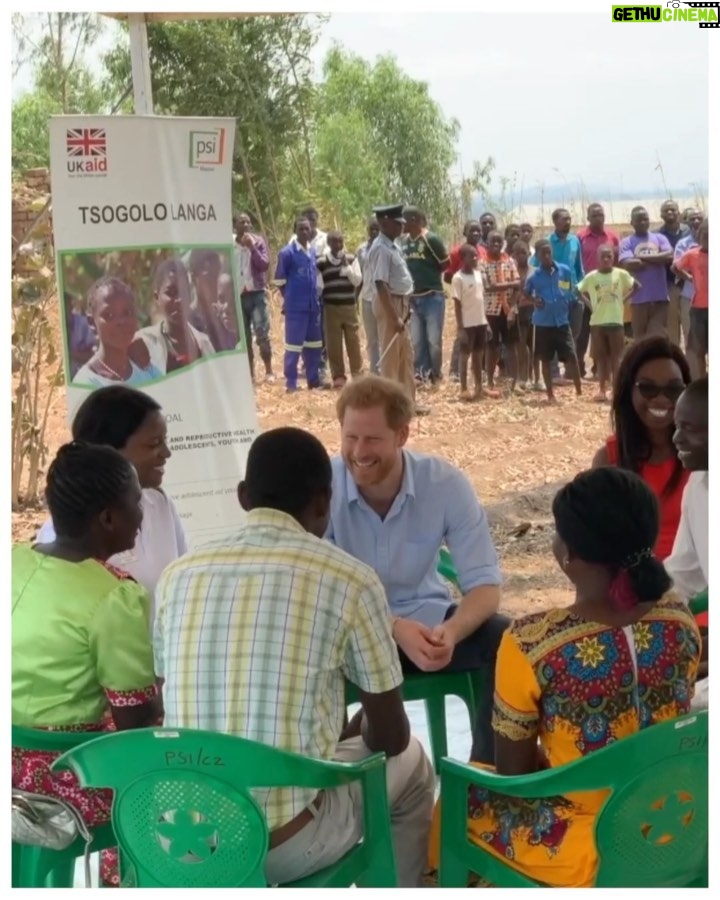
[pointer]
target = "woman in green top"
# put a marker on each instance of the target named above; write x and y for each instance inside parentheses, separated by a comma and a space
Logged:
(80, 629)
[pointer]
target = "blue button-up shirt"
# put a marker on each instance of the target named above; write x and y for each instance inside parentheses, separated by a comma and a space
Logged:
(554, 288)
(297, 275)
(683, 245)
(566, 252)
(436, 504)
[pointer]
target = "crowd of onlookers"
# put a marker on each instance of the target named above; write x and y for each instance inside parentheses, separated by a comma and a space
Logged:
(521, 307)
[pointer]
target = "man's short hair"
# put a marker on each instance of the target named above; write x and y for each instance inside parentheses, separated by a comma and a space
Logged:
(286, 469)
(698, 389)
(539, 244)
(373, 391)
(556, 213)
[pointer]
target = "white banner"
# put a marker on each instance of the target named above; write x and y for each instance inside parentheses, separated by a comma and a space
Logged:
(142, 219)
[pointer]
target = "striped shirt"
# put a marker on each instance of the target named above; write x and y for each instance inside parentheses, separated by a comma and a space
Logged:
(256, 634)
(340, 278)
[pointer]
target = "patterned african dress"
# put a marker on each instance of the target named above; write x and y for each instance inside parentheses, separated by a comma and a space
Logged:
(80, 645)
(577, 686)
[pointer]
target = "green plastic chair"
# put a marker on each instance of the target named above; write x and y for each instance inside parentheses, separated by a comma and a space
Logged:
(699, 603)
(433, 688)
(446, 567)
(38, 866)
(184, 815)
(641, 842)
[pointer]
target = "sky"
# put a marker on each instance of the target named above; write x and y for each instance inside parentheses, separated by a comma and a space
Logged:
(554, 98)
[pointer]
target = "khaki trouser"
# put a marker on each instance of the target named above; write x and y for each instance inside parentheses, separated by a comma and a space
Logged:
(398, 362)
(678, 316)
(337, 824)
(649, 318)
(342, 321)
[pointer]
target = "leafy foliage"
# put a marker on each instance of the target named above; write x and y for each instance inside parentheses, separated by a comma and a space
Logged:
(54, 46)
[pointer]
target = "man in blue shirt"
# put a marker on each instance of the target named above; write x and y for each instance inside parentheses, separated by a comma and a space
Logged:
(296, 276)
(694, 219)
(551, 287)
(393, 510)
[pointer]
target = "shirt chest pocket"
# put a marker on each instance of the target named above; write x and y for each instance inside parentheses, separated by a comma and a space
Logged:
(564, 285)
(412, 561)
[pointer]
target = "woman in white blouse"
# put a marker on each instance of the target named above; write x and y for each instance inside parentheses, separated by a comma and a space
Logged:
(133, 423)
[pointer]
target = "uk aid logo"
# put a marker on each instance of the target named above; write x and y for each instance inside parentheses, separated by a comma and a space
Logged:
(86, 152)
(207, 148)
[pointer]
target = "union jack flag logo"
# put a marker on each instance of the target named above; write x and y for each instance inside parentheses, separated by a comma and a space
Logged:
(86, 142)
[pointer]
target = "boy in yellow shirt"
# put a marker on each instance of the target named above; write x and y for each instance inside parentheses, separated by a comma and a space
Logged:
(606, 290)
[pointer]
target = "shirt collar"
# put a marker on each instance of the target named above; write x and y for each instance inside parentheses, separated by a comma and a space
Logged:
(298, 246)
(263, 517)
(407, 485)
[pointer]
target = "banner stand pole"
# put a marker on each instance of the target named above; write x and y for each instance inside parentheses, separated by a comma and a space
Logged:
(140, 64)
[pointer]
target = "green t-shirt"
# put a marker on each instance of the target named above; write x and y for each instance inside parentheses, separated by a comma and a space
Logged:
(426, 257)
(606, 291)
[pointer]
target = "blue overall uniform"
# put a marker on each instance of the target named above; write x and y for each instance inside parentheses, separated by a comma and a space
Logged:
(296, 274)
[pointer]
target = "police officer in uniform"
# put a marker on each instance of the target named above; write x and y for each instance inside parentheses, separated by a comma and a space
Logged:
(392, 285)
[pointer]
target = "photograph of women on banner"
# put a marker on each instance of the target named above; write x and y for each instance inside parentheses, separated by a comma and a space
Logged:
(139, 315)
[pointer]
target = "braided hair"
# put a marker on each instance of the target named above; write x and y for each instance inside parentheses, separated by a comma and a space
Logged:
(108, 285)
(610, 517)
(111, 415)
(82, 481)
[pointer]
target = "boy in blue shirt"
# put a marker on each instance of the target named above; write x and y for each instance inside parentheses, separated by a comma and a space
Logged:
(296, 276)
(551, 288)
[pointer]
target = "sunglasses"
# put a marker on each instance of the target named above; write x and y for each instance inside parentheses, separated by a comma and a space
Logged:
(648, 390)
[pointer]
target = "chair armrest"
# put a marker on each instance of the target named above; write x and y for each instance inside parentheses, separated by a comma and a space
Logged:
(548, 783)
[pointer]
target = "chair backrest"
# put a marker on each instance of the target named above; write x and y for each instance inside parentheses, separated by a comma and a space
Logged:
(190, 829)
(653, 829)
(183, 812)
(50, 741)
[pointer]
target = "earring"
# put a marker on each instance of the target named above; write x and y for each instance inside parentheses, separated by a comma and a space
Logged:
(566, 562)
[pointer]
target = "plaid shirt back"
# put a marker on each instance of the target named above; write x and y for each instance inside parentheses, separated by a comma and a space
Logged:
(255, 635)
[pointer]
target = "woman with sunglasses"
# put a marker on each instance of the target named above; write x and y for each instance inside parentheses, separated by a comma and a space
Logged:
(650, 380)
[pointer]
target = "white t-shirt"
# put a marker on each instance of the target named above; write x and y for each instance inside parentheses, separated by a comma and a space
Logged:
(468, 289)
(161, 540)
(687, 565)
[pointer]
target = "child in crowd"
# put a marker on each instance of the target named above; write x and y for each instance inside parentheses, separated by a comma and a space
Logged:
(528, 366)
(551, 288)
(500, 280)
(606, 290)
(111, 305)
(472, 325)
(341, 276)
(694, 266)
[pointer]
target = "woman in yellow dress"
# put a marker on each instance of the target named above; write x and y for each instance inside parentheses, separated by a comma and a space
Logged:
(569, 681)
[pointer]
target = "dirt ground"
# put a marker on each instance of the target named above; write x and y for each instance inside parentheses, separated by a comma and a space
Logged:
(515, 451)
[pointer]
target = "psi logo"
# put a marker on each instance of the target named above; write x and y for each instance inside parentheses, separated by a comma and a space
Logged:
(207, 148)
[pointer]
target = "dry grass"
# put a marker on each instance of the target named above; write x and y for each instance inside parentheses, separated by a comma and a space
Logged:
(515, 451)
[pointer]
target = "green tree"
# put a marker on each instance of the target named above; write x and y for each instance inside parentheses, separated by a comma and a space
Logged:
(53, 46)
(412, 138)
(256, 70)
